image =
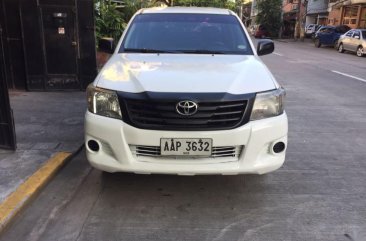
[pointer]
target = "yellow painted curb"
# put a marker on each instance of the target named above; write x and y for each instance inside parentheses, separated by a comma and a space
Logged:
(12, 205)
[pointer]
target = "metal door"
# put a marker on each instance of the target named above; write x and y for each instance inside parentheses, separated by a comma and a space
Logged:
(7, 132)
(61, 47)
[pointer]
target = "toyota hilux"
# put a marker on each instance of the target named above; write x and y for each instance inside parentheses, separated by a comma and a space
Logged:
(186, 93)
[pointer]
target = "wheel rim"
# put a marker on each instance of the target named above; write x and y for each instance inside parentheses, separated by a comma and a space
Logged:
(360, 51)
(340, 48)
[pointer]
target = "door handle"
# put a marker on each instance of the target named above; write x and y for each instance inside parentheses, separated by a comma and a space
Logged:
(74, 43)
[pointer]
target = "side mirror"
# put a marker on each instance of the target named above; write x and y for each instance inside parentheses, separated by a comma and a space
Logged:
(106, 45)
(264, 47)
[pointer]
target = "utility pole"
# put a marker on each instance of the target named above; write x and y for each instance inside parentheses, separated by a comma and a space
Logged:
(281, 28)
(298, 20)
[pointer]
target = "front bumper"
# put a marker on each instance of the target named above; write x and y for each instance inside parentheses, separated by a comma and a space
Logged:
(117, 139)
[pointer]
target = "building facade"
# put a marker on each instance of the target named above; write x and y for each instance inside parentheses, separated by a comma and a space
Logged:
(317, 12)
(347, 12)
(293, 10)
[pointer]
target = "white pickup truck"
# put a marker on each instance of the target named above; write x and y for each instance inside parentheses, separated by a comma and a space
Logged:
(186, 93)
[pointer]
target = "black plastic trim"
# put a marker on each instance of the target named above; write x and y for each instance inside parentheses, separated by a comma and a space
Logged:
(176, 97)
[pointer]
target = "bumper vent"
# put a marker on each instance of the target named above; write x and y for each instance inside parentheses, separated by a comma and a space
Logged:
(217, 152)
(162, 115)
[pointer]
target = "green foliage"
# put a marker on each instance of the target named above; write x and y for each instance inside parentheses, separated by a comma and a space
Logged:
(109, 21)
(201, 3)
(131, 7)
(269, 15)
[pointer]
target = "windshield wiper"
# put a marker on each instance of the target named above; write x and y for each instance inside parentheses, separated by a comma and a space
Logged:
(145, 50)
(202, 51)
(159, 51)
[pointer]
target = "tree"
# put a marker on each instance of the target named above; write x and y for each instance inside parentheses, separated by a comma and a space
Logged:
(303, 18)
(269, 15)
(109, 21)
(111, 18)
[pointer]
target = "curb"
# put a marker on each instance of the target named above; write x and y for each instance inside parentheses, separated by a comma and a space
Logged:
(281, 40)
(17, 200)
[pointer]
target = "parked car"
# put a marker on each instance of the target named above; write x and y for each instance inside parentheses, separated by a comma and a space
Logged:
(329, 35)
(354, 41)
(310, 29)
(177, 96)
(316, 30)
(261, 32)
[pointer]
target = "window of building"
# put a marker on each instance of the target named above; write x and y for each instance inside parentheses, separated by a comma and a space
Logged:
(351, 11)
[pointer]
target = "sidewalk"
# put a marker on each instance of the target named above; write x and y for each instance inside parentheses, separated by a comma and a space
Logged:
(46, 123)
(306, 41)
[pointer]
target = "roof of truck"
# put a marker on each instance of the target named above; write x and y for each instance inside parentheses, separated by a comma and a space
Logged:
(201, 10)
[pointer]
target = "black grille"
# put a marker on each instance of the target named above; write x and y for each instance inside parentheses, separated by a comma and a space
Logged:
(150, 114)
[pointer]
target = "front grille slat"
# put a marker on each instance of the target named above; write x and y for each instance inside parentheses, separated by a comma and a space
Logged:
(225, 120)
(217, 152)
(211, 115)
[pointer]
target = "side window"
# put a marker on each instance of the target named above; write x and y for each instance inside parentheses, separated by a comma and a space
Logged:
(328, 30)
(349, 34)
(356, 34)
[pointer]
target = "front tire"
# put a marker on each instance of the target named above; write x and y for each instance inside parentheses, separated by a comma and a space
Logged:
(340, 48)
(360, 51)
(317, 43)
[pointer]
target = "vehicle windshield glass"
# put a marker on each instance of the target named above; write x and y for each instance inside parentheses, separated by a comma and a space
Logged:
(186, 33)
(364, 34)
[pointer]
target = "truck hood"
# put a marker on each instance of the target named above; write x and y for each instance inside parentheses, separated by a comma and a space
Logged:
(185, 73)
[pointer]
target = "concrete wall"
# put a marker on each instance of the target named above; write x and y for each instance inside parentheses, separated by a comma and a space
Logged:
(334, 17)
(317, 6)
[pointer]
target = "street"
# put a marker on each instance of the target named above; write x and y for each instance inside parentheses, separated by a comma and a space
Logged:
(319, 194)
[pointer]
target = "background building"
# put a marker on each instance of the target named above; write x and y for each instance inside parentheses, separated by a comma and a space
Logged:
(292, 12)
(348, 12)
(317, 12)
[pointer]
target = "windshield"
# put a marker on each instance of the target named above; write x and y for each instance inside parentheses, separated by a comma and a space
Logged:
(186, 33)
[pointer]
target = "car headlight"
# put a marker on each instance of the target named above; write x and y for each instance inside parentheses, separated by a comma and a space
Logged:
(103, 102)
(268, 104)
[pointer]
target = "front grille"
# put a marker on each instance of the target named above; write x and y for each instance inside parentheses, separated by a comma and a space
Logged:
(217, 152)
(149, 114)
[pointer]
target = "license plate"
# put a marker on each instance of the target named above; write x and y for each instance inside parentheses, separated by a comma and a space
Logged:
(185, 147)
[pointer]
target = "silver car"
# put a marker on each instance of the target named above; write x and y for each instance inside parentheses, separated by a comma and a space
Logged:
(354, 40)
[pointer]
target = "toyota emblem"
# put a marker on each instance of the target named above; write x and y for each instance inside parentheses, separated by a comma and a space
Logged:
(186, 107)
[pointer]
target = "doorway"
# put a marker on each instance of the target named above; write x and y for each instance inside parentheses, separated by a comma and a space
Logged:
(61, 47)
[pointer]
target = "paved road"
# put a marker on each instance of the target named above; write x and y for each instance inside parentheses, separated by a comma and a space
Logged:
(319, 194)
